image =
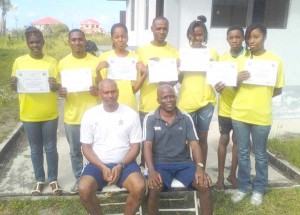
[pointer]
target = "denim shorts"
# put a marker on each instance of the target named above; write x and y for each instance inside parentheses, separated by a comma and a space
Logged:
(183, 172)
(202, 117)
(225, 124)
(94, 171)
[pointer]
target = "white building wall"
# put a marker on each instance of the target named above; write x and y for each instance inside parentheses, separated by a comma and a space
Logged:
(140, 35)
(173, 13)
(286, 43)
(180, 13)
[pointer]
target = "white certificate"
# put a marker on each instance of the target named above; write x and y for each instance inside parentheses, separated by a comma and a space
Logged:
(162, 70)
(225, 72)
(262, 72)
(32, 81)
(194, 60)
(76, 80)
(121, 68)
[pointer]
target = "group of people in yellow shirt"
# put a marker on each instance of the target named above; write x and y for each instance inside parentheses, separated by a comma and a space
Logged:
(245, 109)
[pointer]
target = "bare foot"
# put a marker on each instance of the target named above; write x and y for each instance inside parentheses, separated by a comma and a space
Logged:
(232, 180)
(219, 187)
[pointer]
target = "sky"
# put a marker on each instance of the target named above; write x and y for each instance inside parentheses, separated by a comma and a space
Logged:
(70, 12)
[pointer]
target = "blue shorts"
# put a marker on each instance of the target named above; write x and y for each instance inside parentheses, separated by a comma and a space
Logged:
(94, 171)
(183, 172)
(202, 117)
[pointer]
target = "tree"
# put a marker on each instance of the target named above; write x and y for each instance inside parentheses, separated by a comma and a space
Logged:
(5, 6)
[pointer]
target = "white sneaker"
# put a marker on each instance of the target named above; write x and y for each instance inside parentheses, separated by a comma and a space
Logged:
(74, 188)
(256, 199)
(238, 196)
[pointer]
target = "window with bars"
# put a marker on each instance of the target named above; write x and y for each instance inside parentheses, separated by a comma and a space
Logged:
(273, 13)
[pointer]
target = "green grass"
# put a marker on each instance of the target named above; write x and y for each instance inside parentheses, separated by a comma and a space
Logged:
(46, 206)
(276, 201)
(8, 99)
(287, 149)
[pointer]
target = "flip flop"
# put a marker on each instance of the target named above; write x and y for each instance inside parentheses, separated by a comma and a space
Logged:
(235, 185)
(219, 189)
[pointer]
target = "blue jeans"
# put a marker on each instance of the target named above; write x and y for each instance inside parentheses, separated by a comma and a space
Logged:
(259, 135)
(43, 135)
(73, 137)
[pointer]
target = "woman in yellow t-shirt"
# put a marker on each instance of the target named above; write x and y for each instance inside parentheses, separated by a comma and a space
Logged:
(39, 111)
(196, 97)
(251, 115)
(127, 88)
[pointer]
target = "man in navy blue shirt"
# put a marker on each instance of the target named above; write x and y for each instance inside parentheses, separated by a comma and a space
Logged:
(168, 135)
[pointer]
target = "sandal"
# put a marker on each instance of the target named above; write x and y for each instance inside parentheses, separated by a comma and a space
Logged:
(56, 190)
(38, 189)
(220, 188)
(233, 181)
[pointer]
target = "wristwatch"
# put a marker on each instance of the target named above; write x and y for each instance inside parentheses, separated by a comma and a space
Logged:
(201, 165)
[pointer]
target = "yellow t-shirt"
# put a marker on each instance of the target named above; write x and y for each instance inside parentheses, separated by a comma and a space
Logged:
(228, 93)
(126, 95)
(253, 103)
(148, 90)
(37, 107)
(77, 103)
(195, 93)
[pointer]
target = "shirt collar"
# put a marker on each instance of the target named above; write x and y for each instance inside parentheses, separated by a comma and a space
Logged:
(241, 51)
(157, 114)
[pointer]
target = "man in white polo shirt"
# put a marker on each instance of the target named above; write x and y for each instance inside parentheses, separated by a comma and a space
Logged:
(110, 135)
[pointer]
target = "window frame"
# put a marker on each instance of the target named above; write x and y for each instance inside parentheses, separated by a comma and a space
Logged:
(146, 14)
(132, 11)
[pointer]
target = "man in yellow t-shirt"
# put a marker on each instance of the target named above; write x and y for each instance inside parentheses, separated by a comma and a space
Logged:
(158, 48)
(38, 111)
(77, 102)
(235, 38)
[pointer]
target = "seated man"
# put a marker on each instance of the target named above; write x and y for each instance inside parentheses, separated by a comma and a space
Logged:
(167, 131)
(110, 136)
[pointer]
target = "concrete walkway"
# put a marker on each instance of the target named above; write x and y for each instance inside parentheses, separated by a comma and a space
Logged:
(17, 178)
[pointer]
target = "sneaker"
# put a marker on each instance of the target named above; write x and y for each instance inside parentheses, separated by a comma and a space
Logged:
(256, 199)
(56, 190)
(74, 188)
(238, 196)
(38, 189)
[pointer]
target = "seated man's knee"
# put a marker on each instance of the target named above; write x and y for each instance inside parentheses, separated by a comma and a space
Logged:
(87, 187)
(203, 190)
(138, 190)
